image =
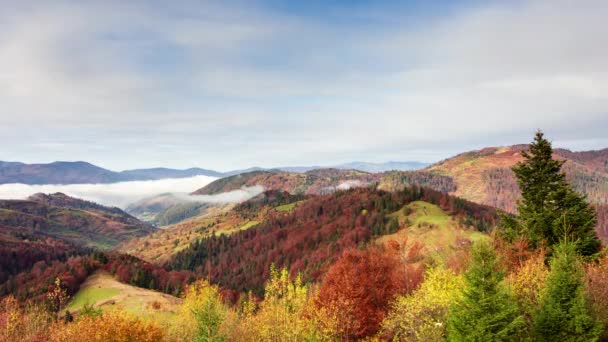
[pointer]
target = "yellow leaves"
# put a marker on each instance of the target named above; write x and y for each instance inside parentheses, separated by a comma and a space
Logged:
(422, 316)
(21, 324)
(203, 315)
(113, 326)
(284, 313)
(528, 282)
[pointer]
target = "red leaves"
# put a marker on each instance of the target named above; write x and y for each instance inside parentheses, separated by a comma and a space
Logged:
(360, 286)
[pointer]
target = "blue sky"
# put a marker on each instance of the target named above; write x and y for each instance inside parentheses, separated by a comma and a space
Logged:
(229, 84)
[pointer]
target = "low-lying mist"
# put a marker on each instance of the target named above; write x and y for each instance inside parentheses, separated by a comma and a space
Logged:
(124, 193)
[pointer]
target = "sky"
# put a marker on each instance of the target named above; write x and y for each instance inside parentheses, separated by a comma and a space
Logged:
(232, 84)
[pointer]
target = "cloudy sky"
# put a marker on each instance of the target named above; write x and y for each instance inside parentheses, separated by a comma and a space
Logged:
(228, 84)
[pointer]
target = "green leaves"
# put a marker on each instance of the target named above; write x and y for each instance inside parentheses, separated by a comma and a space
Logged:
(550, 211)
(486, 311)
(563, 314)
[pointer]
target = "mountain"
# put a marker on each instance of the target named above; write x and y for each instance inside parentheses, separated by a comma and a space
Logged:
(383, 167)
(162, 173)
(485, 175)
(357, 165)
(85, 173)
(79, 172)
(75, 221)
(319, 181)
(56, 173)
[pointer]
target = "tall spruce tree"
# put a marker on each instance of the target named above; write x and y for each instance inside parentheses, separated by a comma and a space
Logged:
(563, 314)
(486, 311)
(550, 210)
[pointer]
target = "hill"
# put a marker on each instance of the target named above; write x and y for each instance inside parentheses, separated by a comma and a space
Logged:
(79, 172)
(321, 181)
(308, 237)
(102, 291)
(77, 221)
(167, 209)
(216, 220)
(485, 175)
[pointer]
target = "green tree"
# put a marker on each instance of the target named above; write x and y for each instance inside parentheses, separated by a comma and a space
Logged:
(563, 314)
(550, 209)
(486, 312)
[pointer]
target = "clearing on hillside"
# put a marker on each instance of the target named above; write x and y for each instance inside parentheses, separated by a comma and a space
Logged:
(102, 291)
(426, 223)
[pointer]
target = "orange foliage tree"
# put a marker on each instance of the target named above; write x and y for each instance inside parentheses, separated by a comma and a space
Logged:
(357, 290)
(112, 326)
(596, 276)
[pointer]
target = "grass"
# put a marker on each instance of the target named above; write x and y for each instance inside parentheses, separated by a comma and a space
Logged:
(243, 227)
(434, 228)
(103, 291)
(286, 208)
(91, 295)
(427, 213)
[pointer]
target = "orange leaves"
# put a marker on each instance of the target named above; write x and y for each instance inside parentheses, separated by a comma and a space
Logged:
(597, 290)
(359, 287)
(109, 327)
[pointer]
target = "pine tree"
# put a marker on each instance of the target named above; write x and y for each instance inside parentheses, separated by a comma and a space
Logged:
(486, 312)
(563, 314)
(550, 210)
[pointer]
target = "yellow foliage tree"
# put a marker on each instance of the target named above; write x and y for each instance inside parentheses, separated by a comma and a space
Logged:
(422, 316)
(203, 315)
(22, 324)
(528, 283)
(283, 315)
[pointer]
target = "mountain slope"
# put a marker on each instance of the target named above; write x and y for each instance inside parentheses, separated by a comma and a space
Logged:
(485, 176)
(315, 182)
(85, 173)
(309, 237)
(79, 222)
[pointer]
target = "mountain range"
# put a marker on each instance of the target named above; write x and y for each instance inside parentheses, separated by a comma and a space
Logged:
(79, 172)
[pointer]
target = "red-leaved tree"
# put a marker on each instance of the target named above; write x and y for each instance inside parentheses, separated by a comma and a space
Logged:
(360, 286)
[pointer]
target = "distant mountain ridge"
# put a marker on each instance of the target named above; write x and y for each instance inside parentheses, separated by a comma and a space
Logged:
(80, 172)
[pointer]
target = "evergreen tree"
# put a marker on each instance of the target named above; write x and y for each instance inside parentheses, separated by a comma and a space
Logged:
(486, 312)
(550, 209)
(563, 314)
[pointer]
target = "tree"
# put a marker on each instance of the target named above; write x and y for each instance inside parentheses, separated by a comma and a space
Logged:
(203, 313)
(359, 288)
(563, 314)
(285, 314)
(56, 298)
(486, 312)
(422, 316)
(597, 292)
(550, 209)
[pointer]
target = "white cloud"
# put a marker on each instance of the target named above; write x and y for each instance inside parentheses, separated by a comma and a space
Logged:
(229, 85)
(115, 194)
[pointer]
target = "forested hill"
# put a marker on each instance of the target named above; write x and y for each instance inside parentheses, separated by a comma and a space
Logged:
(80, 222)
(313, 235)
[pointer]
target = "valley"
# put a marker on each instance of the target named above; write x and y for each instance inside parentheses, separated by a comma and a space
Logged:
(303, 223)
